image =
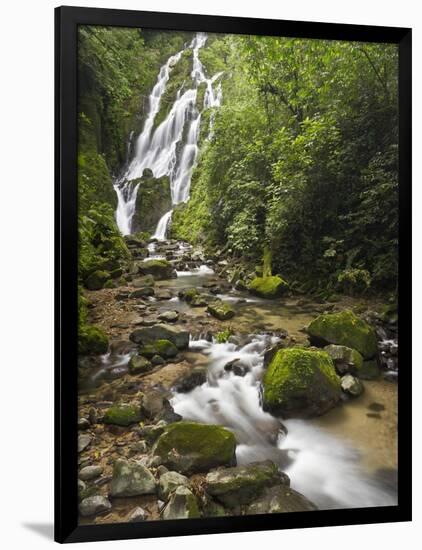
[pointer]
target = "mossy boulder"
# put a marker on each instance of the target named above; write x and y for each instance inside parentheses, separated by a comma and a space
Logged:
(92, 340)
(183, 504)
(346, 360)
(268, 287)
(300, 383)
(346, 329)
(139, 364)
(163, 348)
(280, 499)
(97, 280)
(189, 447)
(131, 479)
(149, 335)
(242, 484)
(169, 482)
(159, 269)
(221, 310)
(123, 414)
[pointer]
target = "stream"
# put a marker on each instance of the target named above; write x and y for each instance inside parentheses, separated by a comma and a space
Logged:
(346, 458)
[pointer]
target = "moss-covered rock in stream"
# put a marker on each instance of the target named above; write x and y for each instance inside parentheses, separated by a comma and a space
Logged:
(159, 269)
(221, 310)
(153, 200)
(139, 365)
(280, 499)
(163, 348)
(92, 340)
(346, 329)
(243, 484)
(189, 447)
(97, 279)
(346, 360)
(150, 335)
(183, 504)
(268, 287)
(300, 383)
(123, 414)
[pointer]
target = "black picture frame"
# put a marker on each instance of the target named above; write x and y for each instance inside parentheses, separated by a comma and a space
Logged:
(67, 20)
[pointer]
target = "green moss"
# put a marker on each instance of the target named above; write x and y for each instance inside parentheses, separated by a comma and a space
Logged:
(190, 447)
(159, 269)
(122, 415)
(346, 329)
(97, 280)
(163, 348)
(92, 340)
(268, 287)
(221, 310)
(223, 336)
(188, 294)
(301, 382)
(139, 364)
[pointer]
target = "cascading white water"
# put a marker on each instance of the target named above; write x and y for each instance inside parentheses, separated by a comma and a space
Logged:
(160, 232)
(158, 150)
(324, 468)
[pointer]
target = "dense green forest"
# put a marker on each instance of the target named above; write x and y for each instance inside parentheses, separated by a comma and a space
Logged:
(302, 161)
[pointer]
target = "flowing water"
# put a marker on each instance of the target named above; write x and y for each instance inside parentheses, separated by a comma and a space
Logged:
(324, 463)
(165, 150)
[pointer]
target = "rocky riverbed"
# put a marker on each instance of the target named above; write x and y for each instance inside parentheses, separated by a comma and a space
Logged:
(222, 396)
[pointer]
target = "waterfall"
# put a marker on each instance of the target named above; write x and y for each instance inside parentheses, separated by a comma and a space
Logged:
(159, 150)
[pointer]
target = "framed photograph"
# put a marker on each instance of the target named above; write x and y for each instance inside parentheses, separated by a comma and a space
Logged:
(232, 274)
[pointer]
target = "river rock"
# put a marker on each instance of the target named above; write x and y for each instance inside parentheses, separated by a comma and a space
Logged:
(345, 329)
(346, 360)
(169, 482)
(163, 294)
(83, 424)
(148, 335)
(301, 383)
(169, 316)
(159, 269)
(92, 340)
(123, 414)
(90, 472)
(183, 504)
(131, 479)
(351, 385)
(221, 310)
(137, 514)
(187, 382)
(190, 447)
(84, 440)
(94, 505)
(268, 287)
(142, 292)
(142, 282)
(163, 348)
(97, 280)
(242, 484)
(280, 499)
(139, 364)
